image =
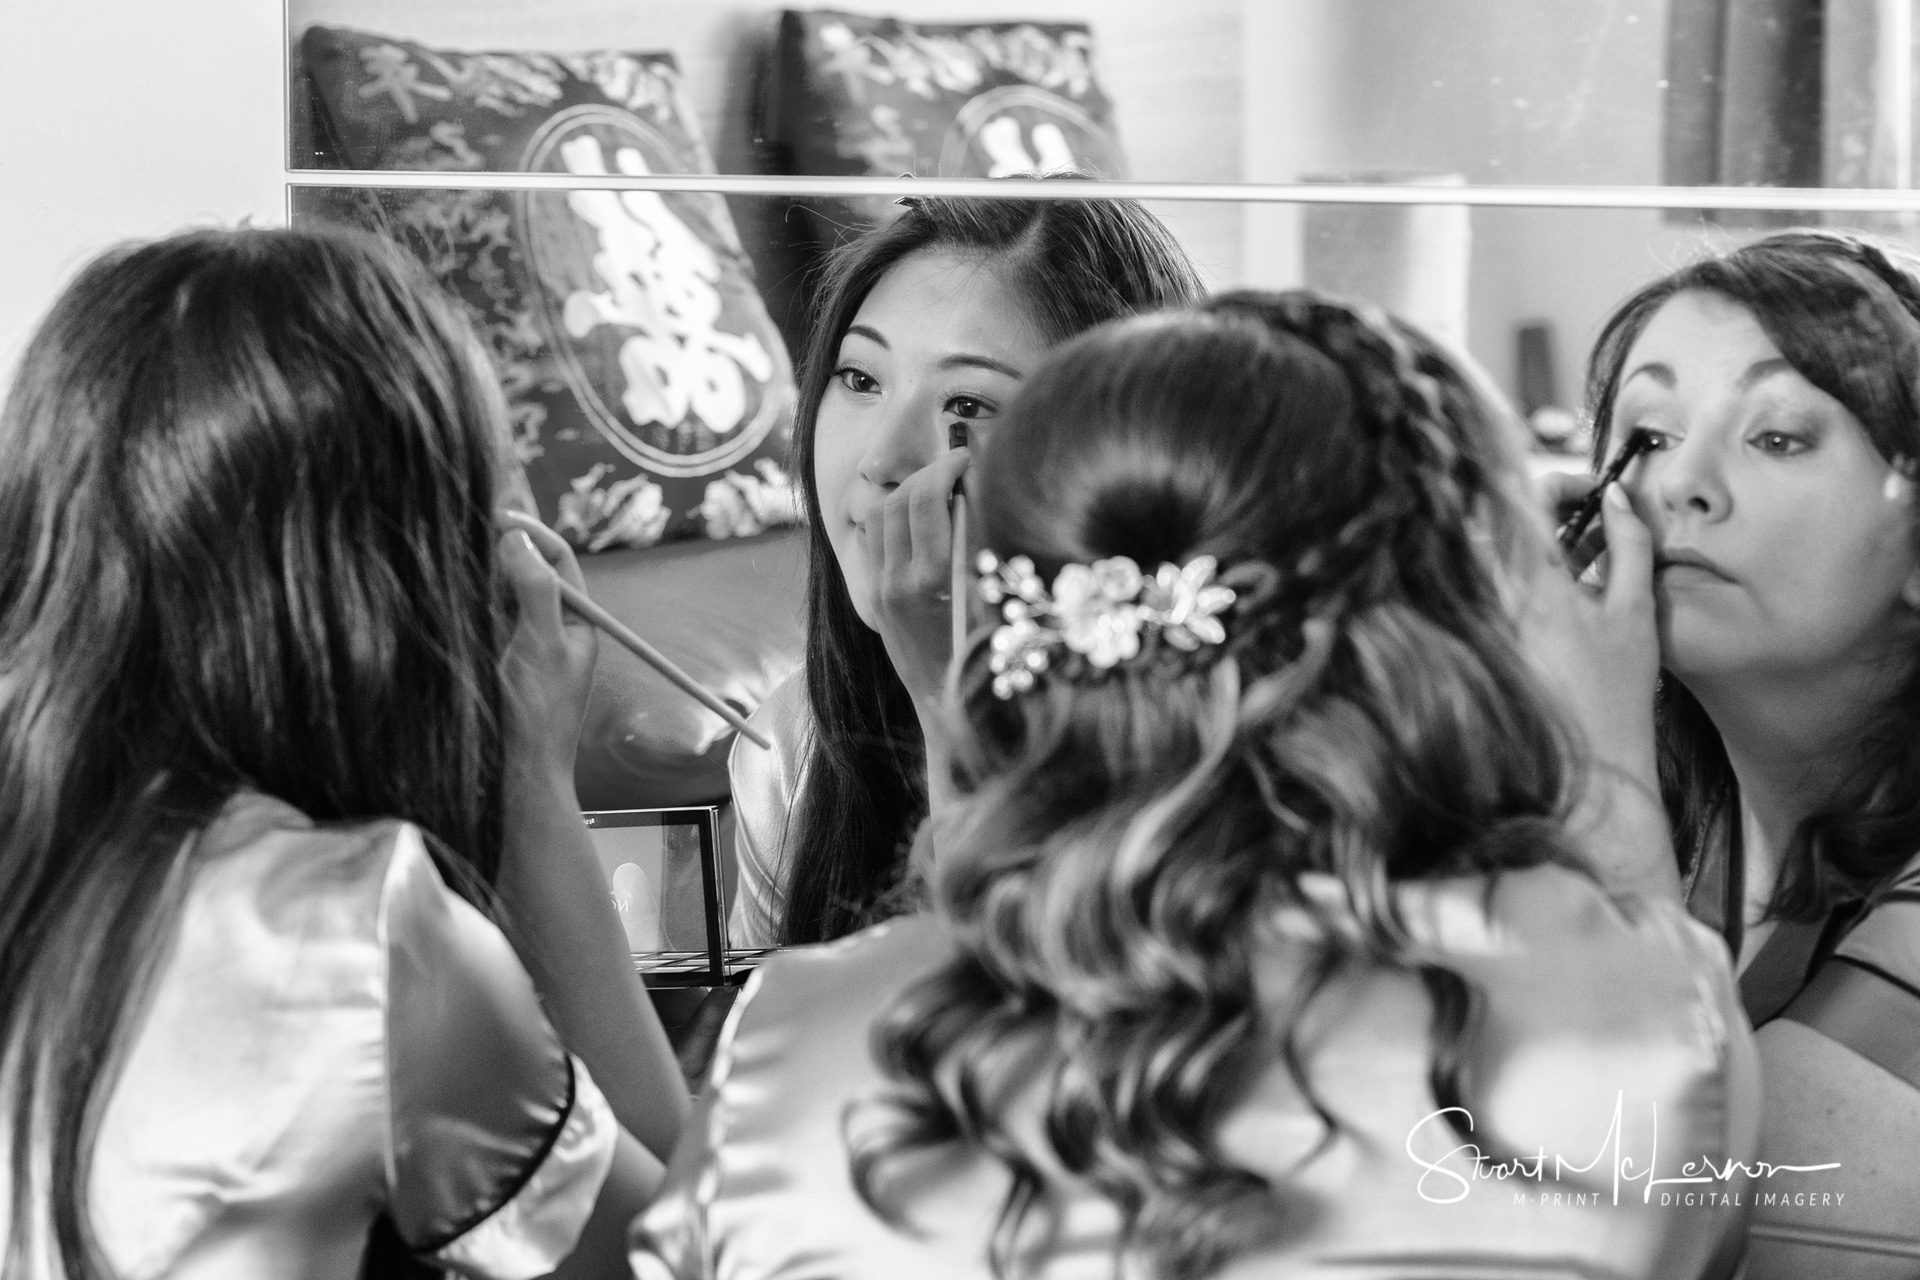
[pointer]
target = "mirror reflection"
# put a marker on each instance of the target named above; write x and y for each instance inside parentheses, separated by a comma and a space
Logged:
(654, 353)
(1144, 657)
(1688, 92)
(1246, 783)
(672, 324)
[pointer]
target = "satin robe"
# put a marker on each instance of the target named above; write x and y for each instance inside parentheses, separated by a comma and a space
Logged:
(334, 1035)
(1608, 1051)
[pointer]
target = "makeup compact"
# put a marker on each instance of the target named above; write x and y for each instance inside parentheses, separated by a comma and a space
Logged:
(664, 870)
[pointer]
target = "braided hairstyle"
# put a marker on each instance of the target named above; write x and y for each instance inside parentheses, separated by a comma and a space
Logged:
(1126, 834)
(1844, 309)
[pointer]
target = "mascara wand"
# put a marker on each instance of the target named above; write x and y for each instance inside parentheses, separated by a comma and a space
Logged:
(1569, 534)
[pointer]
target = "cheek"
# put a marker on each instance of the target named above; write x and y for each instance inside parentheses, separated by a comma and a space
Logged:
(836, 463)
(836, 474)
(1851, 551)
(1828, 579)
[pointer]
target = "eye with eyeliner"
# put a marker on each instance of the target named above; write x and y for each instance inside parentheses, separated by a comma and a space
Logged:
(1784, 434)
(847, 375)
(1643, 408)
(981, 408)
(1624, 429)
(1779, 444)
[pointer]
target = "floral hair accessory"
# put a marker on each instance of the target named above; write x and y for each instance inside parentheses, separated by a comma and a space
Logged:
(1098, 611)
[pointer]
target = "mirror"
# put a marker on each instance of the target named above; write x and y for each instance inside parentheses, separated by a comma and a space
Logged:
(1479, 277)
(1787, 92)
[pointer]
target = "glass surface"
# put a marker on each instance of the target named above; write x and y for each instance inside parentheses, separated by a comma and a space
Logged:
(1627, 92)
(1476, 276)
(660, 868)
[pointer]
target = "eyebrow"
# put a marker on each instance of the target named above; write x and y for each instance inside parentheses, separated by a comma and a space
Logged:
(1760, 369)
(1755, 372)
(959, 360)
(981, 362)
(1660, 373)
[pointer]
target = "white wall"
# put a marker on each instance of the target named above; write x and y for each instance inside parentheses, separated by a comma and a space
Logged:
(1521, 91)
(1291, 56)
(128, 119)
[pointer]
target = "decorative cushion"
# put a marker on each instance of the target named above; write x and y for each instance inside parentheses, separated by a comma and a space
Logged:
(651, 395)
(732, 616)
(851, 94)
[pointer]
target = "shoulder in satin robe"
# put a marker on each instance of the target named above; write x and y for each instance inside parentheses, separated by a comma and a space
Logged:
(1608, 1043)
(334, 1035)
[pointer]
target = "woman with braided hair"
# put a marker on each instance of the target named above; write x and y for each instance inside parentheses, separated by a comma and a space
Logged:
(1778, 383)
(1264, 942)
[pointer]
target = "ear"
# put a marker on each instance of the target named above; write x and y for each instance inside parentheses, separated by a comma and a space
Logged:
(1910, 589)
(1899, 489)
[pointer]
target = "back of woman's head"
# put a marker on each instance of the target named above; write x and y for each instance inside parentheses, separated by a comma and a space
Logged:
(248, 490)
(1073, 264)
(1365, 717)
(247, 511)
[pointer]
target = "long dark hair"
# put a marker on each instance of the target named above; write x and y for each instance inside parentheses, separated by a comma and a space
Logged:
(1123, 834)
(1844, 309)
(247, 506)
(1075, 263)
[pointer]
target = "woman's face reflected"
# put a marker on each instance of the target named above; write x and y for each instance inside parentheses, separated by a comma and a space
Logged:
(1783, 540)
(940, 339)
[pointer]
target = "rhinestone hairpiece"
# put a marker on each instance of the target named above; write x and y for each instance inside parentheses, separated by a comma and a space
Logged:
(1098, 611)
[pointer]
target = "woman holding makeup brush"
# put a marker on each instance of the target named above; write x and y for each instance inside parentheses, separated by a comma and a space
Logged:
(288, 712)
(925, 327)
(1781, 384)
(1260, 944)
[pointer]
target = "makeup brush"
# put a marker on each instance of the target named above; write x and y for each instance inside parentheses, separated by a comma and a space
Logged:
(959, 579)
(581, 603)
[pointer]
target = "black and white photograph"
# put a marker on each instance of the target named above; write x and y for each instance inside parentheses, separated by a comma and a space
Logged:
(960, 640)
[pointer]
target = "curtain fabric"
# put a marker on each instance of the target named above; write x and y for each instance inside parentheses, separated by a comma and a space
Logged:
(1792, 93)
(1745, 82)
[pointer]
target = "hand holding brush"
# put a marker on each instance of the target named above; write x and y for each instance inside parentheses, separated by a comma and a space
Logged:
(1573, 532)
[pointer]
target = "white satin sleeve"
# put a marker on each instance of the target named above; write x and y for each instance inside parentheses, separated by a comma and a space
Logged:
(498, 1141)
(533, 1233)
(765, 783)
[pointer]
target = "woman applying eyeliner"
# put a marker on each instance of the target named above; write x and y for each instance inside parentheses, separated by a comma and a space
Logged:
(1778, 384)
(925, 326)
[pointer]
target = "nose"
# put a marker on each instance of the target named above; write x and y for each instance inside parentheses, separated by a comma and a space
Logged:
(1687, 480)
(905, 439)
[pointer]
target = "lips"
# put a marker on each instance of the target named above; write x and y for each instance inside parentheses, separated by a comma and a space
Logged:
(1687, 558)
